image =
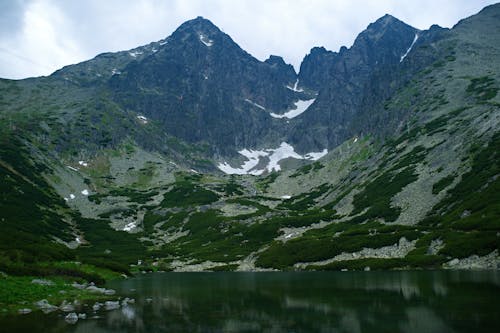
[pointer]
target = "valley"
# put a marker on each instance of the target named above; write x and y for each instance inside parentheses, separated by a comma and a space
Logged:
(383, 156)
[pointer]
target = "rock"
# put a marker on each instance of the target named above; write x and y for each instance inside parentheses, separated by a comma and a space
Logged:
(453, 262)
(42, 282)
(111, 305)
(109, 292)
(66, 307)
(96, 306)
(24, 311)
(82, 316)
(95, 289)
(367, 269)
(465, 214)
(78, 286)
(127, 301)
(104, 291)
(71, 318)
(45, 306)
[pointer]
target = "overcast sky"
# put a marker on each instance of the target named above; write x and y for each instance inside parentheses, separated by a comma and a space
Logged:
(39, 36)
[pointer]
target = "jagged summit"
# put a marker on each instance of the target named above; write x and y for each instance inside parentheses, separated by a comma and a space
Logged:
(199, 25)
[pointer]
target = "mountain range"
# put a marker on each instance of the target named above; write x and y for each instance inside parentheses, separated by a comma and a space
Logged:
(190, 154)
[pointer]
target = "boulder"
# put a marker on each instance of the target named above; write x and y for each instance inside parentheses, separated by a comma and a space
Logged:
(71, 318)
(111, 305)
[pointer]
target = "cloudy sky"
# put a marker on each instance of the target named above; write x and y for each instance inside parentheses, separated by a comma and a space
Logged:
(39, 36)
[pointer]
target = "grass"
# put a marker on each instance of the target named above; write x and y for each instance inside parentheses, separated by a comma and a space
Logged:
(17, 292)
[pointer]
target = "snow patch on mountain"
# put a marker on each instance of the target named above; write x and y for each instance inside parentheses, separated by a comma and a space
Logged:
(255, 104)
(301, 106)
(282, 152)
(142, 119)
(294, 88)
(316, 156)
(409, 49)
(205, 40)
(134, 54)
(274, 156)
(253, 157)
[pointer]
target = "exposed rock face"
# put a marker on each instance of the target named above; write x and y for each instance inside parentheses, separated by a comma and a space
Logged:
(344, 79)
(224, 98)
(202, 79)
(316, 66)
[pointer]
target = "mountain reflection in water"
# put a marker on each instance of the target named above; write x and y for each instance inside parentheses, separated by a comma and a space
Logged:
(397, 301)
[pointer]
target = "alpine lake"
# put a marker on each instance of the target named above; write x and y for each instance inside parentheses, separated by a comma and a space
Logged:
(377, 301)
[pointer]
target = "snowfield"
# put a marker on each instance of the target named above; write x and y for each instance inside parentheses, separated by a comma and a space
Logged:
(271, 157)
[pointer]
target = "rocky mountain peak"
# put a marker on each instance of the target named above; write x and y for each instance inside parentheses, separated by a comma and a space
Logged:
(199, 24)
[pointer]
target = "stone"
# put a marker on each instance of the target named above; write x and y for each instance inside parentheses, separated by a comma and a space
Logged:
(96, 306)
(71, 318)
(111, 305)
(78, 286)
(66, 307)
(95, 289)
(109, 292)
(82, 316)
(127, 301)
(45, 306)
(42, 282)
(24, 311)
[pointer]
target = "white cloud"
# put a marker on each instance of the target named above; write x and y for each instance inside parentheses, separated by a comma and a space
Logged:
(54, 33)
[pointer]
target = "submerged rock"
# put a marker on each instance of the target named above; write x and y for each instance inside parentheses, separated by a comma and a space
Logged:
(111, 305)
(71, 318)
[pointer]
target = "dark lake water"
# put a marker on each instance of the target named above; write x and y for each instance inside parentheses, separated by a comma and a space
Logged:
(397, 301)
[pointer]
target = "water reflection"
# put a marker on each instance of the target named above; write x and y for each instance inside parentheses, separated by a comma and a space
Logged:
(298, 302)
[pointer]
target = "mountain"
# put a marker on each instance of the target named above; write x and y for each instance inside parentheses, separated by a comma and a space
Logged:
(190, 154)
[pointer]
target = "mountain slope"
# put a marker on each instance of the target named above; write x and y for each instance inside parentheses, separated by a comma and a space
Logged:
(126, 161)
